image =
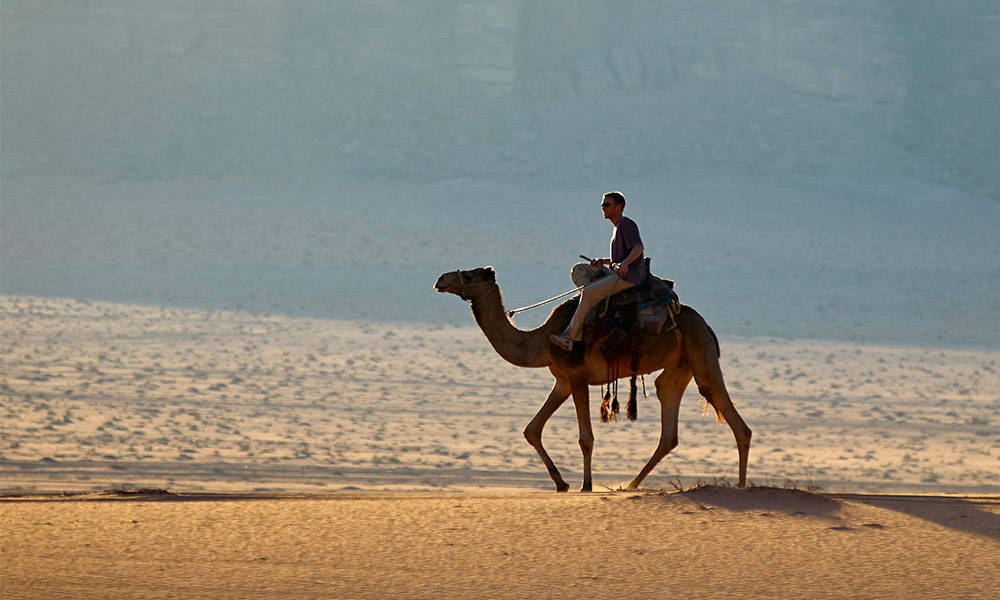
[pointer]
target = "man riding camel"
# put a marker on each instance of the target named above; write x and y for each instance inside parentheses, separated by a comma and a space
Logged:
(628, 268)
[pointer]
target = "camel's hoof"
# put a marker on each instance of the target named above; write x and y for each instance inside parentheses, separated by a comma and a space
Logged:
(587, 488)
(562, 487)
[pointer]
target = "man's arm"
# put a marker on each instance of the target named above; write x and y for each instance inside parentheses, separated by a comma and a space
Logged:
(631, 258)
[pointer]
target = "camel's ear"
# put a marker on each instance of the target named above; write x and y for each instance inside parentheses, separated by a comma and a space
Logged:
(489, 274)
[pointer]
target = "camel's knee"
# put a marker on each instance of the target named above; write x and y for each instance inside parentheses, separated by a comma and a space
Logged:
(665, 446)
(586, 444)
(532, 435)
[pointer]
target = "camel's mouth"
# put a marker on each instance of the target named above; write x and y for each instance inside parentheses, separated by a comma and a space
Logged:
(455, 282)
(441, 286)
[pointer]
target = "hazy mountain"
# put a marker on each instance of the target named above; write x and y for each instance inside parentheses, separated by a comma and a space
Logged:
(576, 89)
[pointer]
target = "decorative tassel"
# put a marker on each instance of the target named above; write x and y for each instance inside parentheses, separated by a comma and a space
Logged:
(610, 409)
(631, 400)
(605, 407)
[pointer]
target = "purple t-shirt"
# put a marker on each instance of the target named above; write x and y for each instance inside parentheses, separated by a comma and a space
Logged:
(626, 237)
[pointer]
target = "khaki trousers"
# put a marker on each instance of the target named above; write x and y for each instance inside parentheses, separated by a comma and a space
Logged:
(608, 284)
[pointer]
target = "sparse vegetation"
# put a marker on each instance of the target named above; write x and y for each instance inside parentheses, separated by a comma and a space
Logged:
(808, 486)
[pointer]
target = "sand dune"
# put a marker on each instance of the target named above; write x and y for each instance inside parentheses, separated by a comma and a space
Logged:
(706, 543)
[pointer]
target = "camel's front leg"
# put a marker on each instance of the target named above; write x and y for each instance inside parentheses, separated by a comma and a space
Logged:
(581, 400)
(533, 432)
(669, 389)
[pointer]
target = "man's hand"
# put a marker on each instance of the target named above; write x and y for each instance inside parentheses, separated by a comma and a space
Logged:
(622, 269)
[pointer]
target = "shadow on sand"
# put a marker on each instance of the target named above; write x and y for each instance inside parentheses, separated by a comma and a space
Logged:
(973, 514)
(765, 500)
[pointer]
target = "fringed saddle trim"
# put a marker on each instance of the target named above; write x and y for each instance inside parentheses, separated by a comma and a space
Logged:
(610, 408)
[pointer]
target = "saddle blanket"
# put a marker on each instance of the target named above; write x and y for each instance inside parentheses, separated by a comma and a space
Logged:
(645, 307)
(652, 290)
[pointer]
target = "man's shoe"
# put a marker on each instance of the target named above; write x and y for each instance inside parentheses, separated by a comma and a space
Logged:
(562, 340)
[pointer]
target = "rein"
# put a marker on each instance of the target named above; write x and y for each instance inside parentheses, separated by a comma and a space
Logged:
(511, 313)
(462, 285)
(575, 290)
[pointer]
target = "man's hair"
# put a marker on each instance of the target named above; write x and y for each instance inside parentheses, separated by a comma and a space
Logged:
(618, 197)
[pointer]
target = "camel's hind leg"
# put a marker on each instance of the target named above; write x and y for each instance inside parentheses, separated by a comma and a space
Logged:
(724, 405)
(533, 432)
(670, 387)
(708, 375)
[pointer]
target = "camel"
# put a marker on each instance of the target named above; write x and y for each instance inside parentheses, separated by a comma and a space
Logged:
(693, 353)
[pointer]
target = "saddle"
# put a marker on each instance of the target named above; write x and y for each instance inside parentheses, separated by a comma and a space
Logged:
(641, 308)
(652, 289)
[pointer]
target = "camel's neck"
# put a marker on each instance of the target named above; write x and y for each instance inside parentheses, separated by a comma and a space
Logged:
(516, 346)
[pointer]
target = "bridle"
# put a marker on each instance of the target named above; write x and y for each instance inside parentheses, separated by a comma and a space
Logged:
(462, 284)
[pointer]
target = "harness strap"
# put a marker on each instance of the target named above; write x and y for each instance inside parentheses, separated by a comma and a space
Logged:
(464, 284)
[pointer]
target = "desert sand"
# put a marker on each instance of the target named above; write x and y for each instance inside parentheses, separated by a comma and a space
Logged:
(98, 395)
(712, 542)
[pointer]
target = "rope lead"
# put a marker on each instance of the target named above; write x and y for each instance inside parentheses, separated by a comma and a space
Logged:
(511, 313)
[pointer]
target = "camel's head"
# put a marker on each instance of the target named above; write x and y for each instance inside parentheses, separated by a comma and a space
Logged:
(468, 285)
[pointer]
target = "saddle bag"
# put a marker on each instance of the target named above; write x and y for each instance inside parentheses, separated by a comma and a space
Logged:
(653, 317)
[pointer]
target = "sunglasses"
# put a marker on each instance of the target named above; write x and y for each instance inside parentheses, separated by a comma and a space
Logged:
(606, 204)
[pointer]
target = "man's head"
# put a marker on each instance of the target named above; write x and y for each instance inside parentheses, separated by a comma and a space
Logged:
(612, 205)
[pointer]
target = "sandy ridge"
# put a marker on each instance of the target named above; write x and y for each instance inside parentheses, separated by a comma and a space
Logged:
(707, 543)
